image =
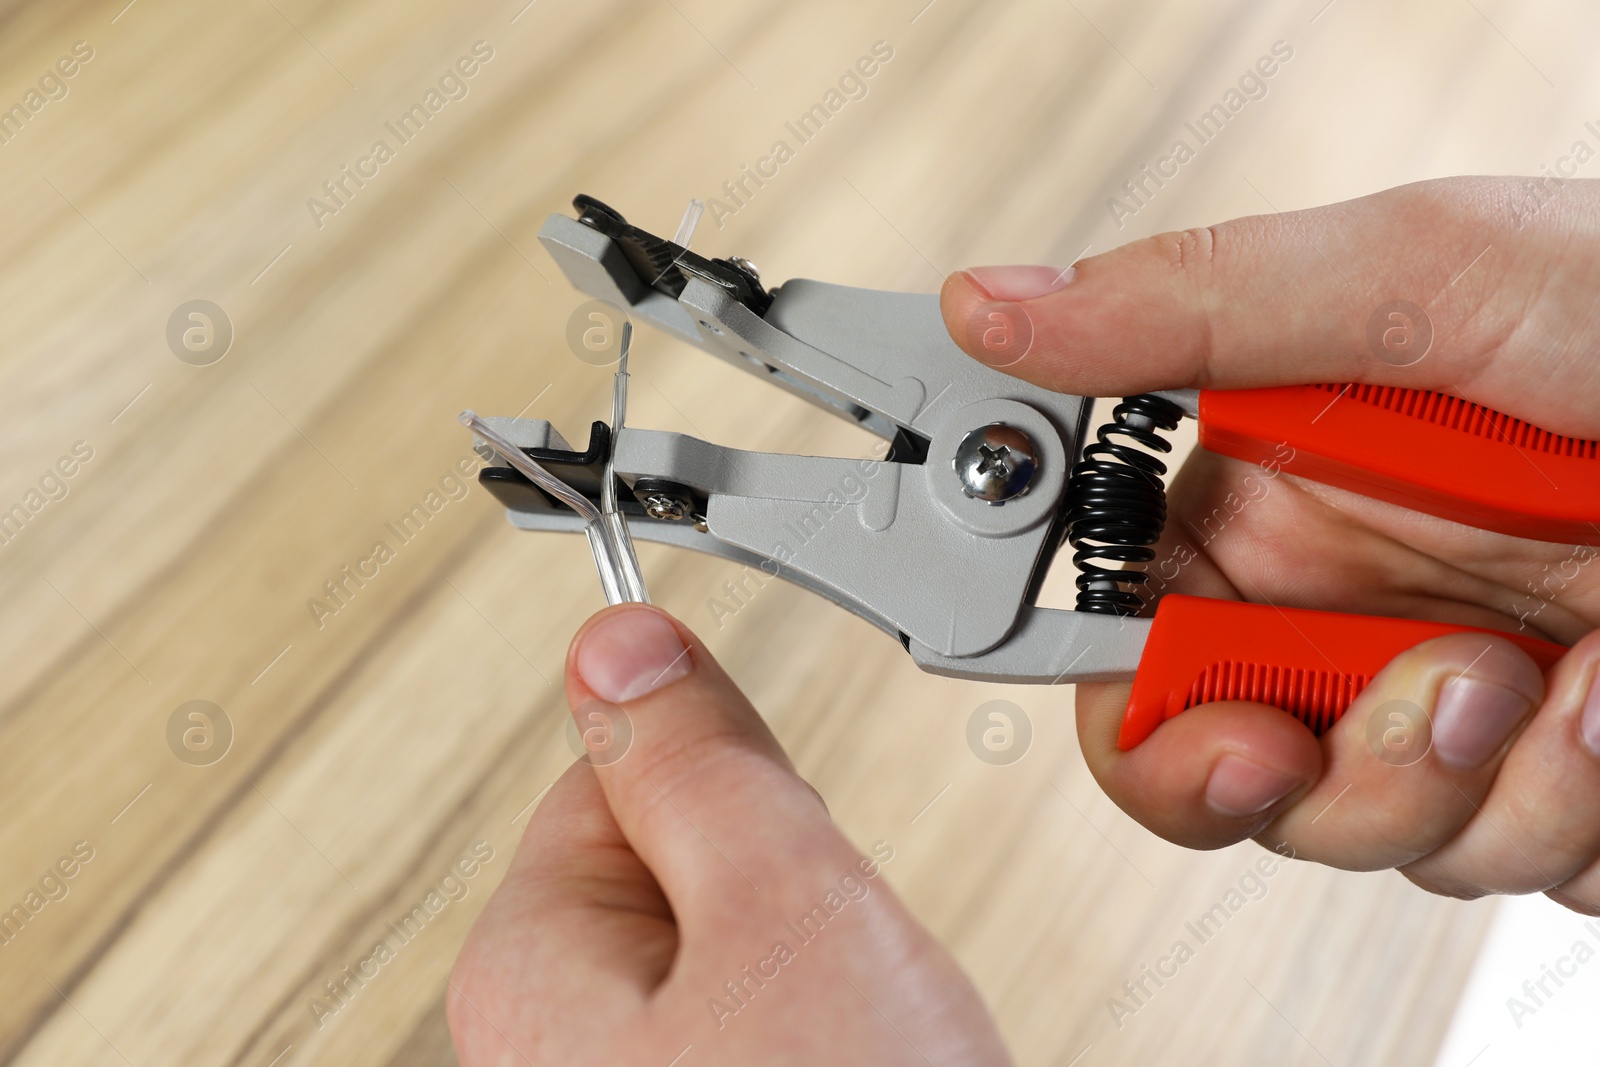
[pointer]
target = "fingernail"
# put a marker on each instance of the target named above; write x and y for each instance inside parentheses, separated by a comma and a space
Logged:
(1239, 787)
(631, 653)
(1019, 283)
(1472, 719)
(1589, 725)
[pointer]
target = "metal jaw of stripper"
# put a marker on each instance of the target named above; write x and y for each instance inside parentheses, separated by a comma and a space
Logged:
(943, 543)
(621, 578)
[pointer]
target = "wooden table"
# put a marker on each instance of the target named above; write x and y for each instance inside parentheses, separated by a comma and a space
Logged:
(226, 868)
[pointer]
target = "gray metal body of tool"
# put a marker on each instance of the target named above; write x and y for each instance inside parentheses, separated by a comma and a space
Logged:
(902, 542)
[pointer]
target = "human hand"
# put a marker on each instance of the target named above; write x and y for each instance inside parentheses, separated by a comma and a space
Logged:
(686, 888)
(1507, 798)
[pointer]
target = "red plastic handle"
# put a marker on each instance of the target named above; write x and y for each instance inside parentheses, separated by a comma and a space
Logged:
(1311, 664)
(1426, 451)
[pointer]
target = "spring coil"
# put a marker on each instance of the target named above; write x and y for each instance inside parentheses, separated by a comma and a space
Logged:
(1116, 505)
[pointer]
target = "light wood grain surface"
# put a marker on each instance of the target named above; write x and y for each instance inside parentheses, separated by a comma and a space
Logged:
(375, 746)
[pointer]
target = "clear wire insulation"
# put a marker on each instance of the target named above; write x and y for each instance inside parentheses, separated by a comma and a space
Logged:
(609, 561)
(691, 219)
(616, 524)
(612, 582)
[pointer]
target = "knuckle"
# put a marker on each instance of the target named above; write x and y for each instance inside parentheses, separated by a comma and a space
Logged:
(681, 760)
(1474, 206)
(1193, 257)
(1417, 826)
(1190, 252)
(1559, 843)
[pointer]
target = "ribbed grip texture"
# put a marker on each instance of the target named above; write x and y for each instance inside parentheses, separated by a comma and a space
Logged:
(1455, 413)
(1422, 450)
(1316, 698)
(1312, 664)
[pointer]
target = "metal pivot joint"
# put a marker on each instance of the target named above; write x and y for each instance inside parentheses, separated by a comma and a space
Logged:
(995, 463)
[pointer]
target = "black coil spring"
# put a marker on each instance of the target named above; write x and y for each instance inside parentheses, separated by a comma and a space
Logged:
(1117, 505)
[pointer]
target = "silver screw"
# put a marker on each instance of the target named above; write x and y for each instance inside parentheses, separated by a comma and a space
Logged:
(996, 463)
(666, 508)
(740, 261)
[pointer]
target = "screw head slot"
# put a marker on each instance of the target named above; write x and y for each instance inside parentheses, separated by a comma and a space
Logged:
(996, 463)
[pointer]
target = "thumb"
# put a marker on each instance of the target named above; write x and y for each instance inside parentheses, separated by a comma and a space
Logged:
(1432, 286)
(696, 781)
